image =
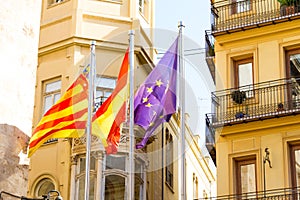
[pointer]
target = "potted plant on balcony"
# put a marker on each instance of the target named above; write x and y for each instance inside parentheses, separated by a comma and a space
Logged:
(238, 96)
(287, 7)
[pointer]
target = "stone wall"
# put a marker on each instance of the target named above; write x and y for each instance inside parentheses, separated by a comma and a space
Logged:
(13, 176)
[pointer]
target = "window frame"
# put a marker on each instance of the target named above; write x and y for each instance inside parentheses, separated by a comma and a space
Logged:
(80, 175)
(102, 89)
(143, 8)
(55, 2)
(40, 183)
(289, 53)
(51, 93)
(293, 86)
(292, 149)
(236, 64)
(235, 6)
(238, 163)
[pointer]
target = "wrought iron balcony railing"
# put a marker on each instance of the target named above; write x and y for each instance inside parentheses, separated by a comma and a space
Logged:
(278, 194)
(210, 52)
(231, 16)
(256, 102)
(210, 140)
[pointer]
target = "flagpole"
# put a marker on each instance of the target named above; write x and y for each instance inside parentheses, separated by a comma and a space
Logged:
(130, 194)
(89, 122)
(182, 110)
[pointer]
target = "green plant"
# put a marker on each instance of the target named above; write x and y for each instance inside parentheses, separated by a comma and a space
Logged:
(287, 2)
(238, 96)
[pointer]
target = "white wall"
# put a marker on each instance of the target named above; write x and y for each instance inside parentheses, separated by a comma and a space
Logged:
(19, 33)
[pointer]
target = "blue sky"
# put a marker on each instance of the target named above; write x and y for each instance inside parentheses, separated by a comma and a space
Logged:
(195, 15)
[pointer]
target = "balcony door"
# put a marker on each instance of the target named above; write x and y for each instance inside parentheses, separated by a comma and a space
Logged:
(245, 173)
(293, 76)
(243, 76)
(295, 164)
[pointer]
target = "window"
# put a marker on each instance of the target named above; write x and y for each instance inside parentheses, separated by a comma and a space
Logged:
(43, 187)
(243, 70)
(104, 88)
(116, 177)
(243, 76)
(51, 94)
(143, 8)
(245, 173)
(293, 74)
(51, 2)
(115, 162)
(195, 186)
(239, 6)
(139, 179)
(80, 179)
(295, 164)
(114, 187)
(169, 159)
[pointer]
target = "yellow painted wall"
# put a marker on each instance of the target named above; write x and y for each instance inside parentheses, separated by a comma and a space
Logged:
(267, 45)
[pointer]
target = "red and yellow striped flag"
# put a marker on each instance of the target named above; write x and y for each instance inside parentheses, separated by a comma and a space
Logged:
(109, 117)
(65, 119)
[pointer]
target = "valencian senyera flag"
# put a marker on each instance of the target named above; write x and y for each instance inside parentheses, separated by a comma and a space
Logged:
(66, 118)
(108, 119)
(155, 100)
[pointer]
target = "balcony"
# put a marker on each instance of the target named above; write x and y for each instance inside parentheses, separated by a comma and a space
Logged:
(210, 53)
(233, 16)
(260, 101)
(210, 140)
(278, 194)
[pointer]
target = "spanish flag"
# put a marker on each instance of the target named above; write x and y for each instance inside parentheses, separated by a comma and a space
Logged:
(66, 118)
(109, 117)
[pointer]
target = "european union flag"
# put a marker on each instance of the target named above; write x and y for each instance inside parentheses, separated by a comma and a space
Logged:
(155, 100)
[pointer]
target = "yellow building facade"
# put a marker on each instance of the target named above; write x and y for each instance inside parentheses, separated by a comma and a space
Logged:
(255, 49)
(66, 31)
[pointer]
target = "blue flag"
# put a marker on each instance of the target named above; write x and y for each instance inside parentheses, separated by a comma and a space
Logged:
(155, 100)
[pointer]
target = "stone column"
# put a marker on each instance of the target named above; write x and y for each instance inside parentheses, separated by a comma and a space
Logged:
(73, 180)
(100, 181)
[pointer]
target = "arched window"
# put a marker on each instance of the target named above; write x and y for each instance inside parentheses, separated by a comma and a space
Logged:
(114, 187)
(43, 187)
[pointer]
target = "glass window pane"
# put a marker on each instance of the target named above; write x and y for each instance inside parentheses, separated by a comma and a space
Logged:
(82, 165)
(114, 187)
(99, 93)
(295, 65)
(245, 74)
(248, 180)
(115, 162)
(92, 164)
(47, 103)
(107, 93)
(81, 190)
(105, 82)
(50, 87)
(138, 189)
(44, 187)
(297, 166)
(56, 97)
